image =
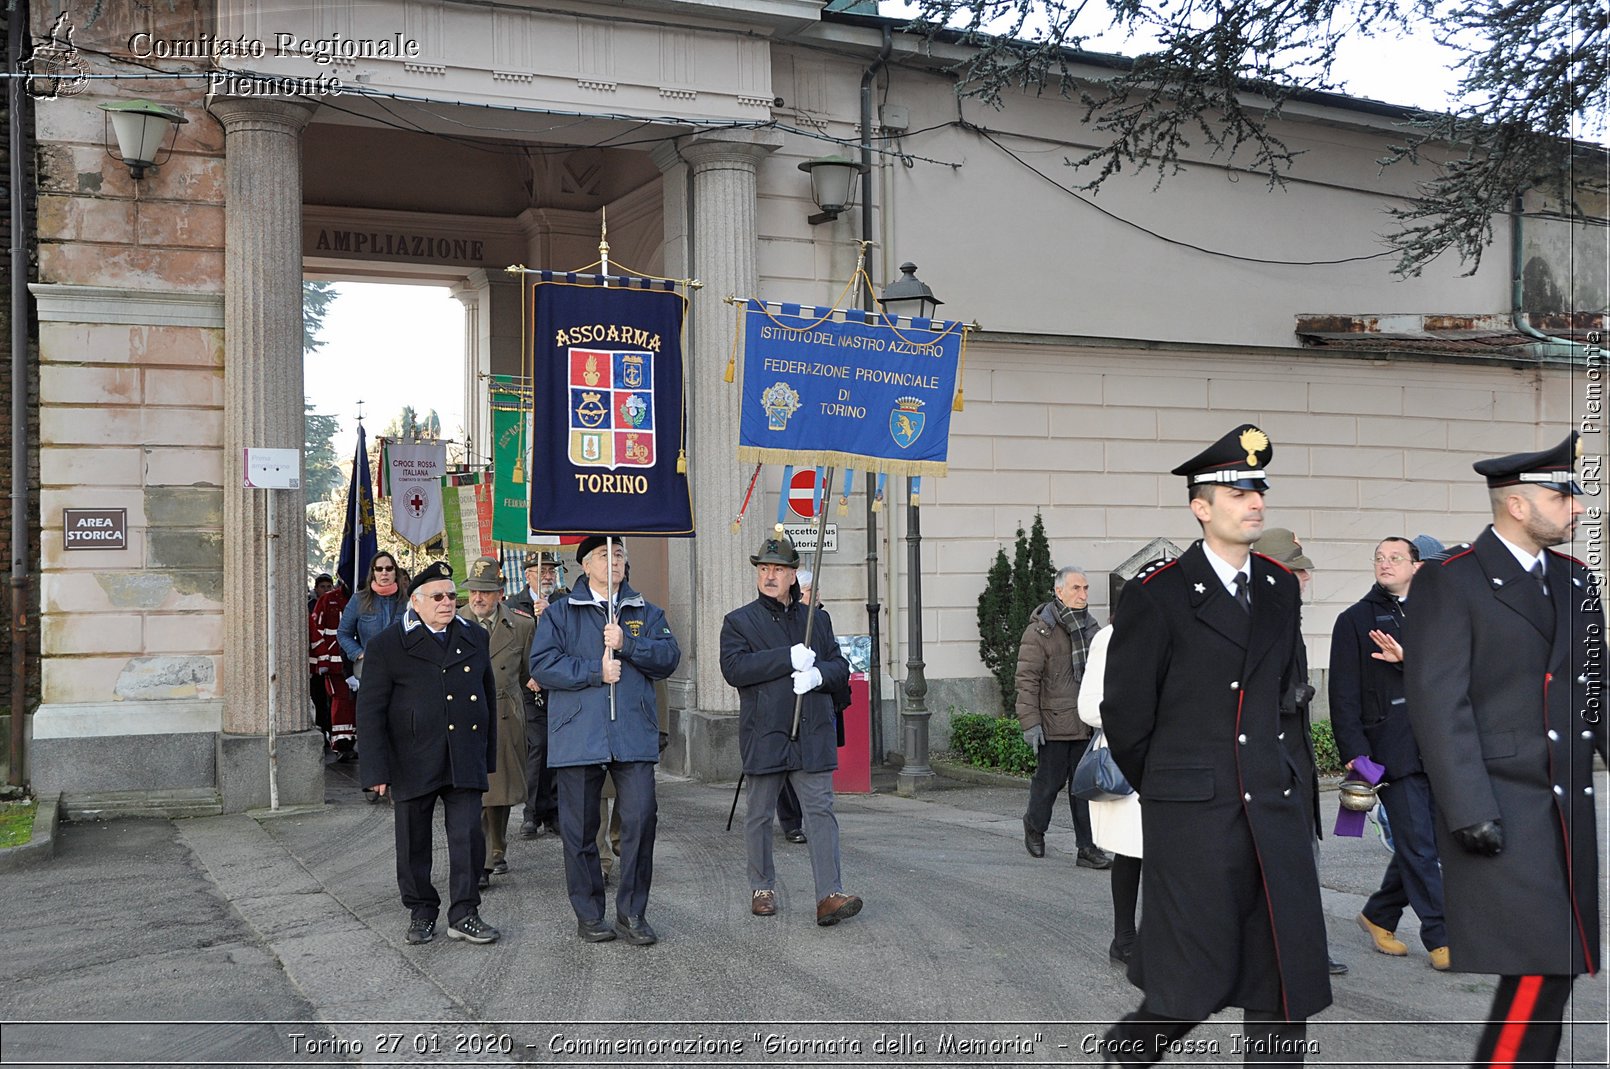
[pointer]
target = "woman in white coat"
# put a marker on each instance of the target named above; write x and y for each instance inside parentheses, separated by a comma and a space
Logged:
(1115, 825)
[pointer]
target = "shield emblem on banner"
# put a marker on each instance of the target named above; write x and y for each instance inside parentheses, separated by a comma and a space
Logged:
(611, 408)
(906, 421)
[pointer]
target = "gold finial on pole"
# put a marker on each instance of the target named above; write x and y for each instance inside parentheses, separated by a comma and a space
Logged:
(603, 244)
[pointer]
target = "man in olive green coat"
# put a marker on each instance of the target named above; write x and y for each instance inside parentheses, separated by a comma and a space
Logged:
(509, 637)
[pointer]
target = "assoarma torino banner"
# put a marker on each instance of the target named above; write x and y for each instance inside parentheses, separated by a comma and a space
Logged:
(847, 388)
(607, 411)
(414, 473)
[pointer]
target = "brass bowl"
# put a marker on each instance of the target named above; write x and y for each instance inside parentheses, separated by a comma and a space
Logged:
(1359, 797)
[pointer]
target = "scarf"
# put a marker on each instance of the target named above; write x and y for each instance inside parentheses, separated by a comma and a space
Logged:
(386, 590)
(1075, 622)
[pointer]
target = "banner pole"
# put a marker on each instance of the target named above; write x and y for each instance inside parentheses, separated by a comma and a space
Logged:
(816, 598)
(609, 616)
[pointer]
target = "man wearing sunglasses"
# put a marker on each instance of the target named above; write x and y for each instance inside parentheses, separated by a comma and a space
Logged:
(428, 714)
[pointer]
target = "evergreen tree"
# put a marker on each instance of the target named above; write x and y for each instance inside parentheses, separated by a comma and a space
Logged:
(320, 464)
(997, 642)
(1042, 574)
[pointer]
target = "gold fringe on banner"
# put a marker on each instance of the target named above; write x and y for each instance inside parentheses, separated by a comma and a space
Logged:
(961, 369)
(817, 458)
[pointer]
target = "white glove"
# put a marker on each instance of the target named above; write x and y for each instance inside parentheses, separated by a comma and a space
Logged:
(352, 684)
(802, 656)
(807, 680)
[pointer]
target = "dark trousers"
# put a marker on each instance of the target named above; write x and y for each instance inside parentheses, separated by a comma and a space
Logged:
(1524, 1025)
(1125, 898)
(1054, 773)
(579, 789)
(466, 852)
(321, 704)
(1142, 1038)
(1413, 877)
(789, 814)
(541, 789)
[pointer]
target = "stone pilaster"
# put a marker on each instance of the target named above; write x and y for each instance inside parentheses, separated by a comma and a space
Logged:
(713, 239)
(263, 407)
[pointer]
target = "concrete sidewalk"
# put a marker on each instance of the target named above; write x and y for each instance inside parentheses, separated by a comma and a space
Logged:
(278, 940)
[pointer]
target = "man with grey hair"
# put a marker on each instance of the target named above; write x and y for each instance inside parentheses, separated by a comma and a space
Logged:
(1050, 666)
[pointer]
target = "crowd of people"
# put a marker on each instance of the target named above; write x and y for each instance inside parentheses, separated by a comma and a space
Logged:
(1470, 711)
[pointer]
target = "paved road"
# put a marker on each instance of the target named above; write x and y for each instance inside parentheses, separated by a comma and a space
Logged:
(278, 940)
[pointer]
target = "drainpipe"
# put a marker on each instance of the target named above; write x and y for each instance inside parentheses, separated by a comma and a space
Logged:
(1548, 345)
(17, 29)
(875, 691)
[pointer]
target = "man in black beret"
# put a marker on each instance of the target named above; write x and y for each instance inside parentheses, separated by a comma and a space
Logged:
(541, 791)
(1504, 667)
(428, 713)
(1195, 710)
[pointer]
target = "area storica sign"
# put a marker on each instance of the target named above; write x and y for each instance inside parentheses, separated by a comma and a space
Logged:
(95, 528)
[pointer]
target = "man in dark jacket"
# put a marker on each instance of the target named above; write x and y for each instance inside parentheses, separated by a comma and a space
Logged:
(764, 654)
(541, 792)
(1369, 714)
(597, 652)
(1201, 660)
(1504, 666)
(1050, 667)
(428, 713)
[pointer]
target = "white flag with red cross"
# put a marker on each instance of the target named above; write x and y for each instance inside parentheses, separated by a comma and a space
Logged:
(414, 473)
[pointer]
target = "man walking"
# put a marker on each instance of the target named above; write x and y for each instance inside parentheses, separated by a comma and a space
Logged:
(428, 714)
(1050, 666)
(1197, 673)
(541, 794)
(509, 647)
(1369, 714)
(1504, 665)
(597, 652)
(764, 654)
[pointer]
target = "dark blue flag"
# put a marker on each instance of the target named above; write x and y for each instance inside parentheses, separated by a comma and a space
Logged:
(607, 446)
(360, 518)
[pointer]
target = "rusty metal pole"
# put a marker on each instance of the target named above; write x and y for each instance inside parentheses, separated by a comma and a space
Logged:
(16, 30)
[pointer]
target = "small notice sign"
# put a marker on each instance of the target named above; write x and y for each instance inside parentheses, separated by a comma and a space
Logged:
(95, 528)
(804, 537)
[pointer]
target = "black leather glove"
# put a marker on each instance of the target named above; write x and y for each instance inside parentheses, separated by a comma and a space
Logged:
(1486, 838)
(665, 740)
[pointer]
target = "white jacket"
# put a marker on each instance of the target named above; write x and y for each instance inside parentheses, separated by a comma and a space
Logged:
(1115, 825)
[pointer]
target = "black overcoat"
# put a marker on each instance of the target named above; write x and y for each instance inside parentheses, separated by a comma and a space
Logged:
(1192, 709)
(755, 641)
(1368, 702)
(1505, 692)
(427, 711)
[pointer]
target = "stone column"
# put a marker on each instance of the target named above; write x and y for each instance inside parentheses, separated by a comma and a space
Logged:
(263, 406)
(712, 239)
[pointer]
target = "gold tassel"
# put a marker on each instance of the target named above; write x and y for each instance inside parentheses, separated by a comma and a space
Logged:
(844, 506)
(682, 460)
(957, 405)
(877, 504)
(736, 524)
(916, 500)
(732, 368)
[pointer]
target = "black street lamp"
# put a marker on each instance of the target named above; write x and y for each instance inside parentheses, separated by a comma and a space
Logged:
(910, 296)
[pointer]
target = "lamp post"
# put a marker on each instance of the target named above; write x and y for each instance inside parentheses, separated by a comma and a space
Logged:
(910, 296)
(832, 185)
(141, 126)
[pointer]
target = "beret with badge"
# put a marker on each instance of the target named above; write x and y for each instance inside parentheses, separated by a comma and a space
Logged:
(431, 573)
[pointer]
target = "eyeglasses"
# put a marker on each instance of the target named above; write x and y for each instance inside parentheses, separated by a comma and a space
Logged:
(385, 567)
(1396, 558)
(442, 596)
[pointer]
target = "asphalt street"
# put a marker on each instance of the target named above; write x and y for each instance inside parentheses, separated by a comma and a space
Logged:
(277, 940)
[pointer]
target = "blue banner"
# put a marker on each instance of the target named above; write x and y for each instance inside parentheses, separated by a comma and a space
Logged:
(848, 389)
(607, 411)
(358, 531)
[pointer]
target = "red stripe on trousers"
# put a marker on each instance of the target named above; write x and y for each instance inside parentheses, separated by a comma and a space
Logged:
(1515, 1022)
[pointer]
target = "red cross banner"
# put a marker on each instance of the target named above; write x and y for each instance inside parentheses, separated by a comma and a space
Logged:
(414, 473)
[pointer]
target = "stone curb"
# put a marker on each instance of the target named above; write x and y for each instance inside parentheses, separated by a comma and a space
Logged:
(42, 846)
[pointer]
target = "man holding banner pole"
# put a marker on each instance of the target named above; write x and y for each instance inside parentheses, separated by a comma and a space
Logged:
(597, 652)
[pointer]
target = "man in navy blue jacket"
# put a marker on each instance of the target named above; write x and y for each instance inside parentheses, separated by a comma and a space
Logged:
(598, 658)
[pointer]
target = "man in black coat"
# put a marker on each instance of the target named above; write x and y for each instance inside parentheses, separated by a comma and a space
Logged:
(1203, 654)
(1370, 716)
(764, 654)
(541, 789)
(428, 713)
(1505, 669)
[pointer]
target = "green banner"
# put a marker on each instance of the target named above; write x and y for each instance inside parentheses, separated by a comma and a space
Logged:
(511, 485)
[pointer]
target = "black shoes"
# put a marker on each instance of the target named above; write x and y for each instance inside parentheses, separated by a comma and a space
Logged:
(472, 928)
(1337, 968)
(1034, 840)
(795, 835)
(530, 830)
(1119, 952)
(1091, 858)
(421, 930)
(595, 931)
(485, 881)
(500, 867)
(635, 930)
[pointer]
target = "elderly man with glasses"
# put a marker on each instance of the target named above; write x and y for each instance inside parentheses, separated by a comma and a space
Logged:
(1369, 713)
(428, 714)
(597, 652)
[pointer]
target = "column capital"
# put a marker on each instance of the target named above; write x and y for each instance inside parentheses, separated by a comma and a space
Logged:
(719, 149)
(271, 114)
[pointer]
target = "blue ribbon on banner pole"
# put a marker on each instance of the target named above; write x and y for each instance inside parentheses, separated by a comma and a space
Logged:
(782, 495)
(848, 389)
